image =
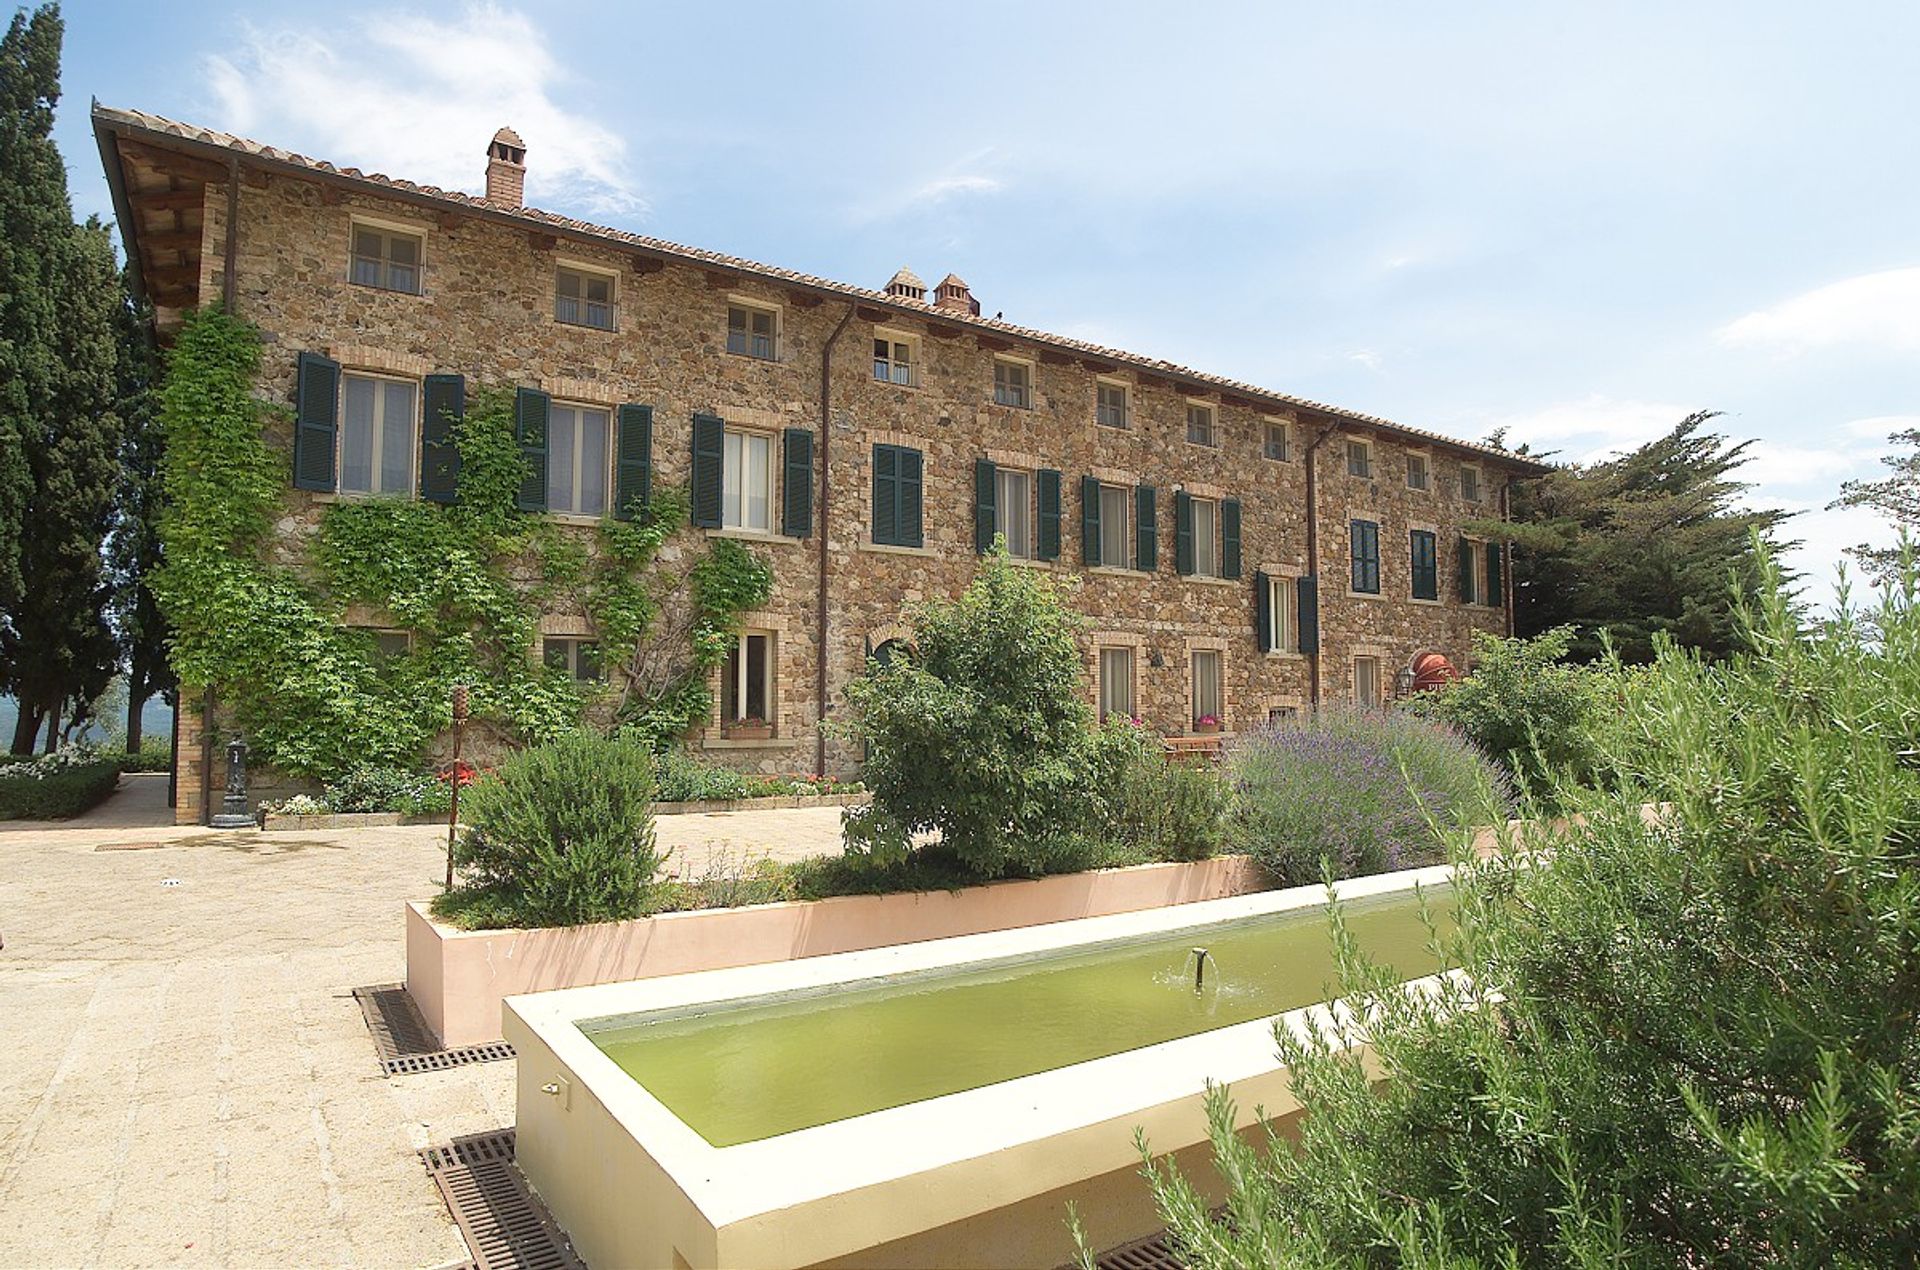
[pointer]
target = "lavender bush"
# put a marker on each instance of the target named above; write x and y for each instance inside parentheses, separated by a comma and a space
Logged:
(1360, 788)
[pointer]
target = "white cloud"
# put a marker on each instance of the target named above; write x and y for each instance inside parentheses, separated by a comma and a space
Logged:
(1772, 463)
(419, 98)
(1880, 427)
(965, 177)
(1592, 427)
(1873, 310)
(1366, 357)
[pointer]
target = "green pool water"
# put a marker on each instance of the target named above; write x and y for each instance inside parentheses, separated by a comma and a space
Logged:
(742, 1073)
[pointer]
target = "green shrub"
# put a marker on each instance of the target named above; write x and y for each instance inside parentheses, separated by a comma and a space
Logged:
(1359, 789)
(1524, 707)
(685, 778)
(559, 835)
(56, 786)
(1150, 807)
(376, 789)
(154, 755)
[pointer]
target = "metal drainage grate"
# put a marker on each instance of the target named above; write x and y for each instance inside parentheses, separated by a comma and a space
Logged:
(502, 1222)
(402, 1040)
(1152, 1253)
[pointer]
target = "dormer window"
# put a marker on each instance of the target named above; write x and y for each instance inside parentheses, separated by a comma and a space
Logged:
(387, 259)
(582, 298)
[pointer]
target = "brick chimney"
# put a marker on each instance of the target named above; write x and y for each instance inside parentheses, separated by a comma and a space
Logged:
(953, 294)
(906, 285)
(506, 169)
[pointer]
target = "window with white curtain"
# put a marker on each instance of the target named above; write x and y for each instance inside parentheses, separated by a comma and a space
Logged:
(377, 435)
(577, 460)
(746, 482)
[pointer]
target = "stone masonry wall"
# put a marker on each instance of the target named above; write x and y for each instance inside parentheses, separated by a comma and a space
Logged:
(487, 312)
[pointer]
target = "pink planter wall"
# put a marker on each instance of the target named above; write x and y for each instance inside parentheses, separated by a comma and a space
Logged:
(458, 978)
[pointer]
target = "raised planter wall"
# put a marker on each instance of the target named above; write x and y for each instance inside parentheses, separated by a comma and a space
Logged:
(459, 978)
(387, 819)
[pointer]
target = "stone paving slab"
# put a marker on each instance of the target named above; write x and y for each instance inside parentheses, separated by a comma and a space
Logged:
(186, 1078)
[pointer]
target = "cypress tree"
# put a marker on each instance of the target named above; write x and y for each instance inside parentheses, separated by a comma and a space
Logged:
(134, 551)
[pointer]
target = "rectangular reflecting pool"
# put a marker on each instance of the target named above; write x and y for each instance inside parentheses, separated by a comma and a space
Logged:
(744, 1071)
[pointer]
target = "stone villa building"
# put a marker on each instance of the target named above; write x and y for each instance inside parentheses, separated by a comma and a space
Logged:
(1239, 552)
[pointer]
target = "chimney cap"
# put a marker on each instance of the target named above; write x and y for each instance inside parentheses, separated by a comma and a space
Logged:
(906, 285)
(954, 280)
(508, 136)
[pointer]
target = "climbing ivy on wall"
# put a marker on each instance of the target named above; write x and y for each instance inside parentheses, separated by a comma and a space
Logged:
(467, 580)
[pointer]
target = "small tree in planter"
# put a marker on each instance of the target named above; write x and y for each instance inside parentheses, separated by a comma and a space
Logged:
(560, 835)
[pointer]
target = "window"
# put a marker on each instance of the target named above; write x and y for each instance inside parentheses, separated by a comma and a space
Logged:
(1200, 425)
(1425, 564)
(1283, 714)
(583, 299)
(751, 332)
(577, 463)
(1013, 384)
(377, 439)
(1013, 510)
(1470, 483)
(1208, 695)
(1360, 459)
(579, 658)
(1366, 681)
(893, 360)
(896, 496)
(386, 259)
(747, 695)
(1365, 536)
(1206, 538)
(1283, 596)
(746, 481)
(1116, 683)
(1275, 441)
(1114, 539)
(1110, 405)
(1473, 572)
(1417, 474)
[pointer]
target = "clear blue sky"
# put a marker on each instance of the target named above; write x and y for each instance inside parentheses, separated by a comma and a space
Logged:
(1578, 223)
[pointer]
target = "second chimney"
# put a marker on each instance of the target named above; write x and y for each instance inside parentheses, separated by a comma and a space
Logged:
(953, 294)
(507, 169)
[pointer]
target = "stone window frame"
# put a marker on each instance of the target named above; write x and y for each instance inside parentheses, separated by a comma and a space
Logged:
(587, 269)
(380, 631)
(573, 631)
(1287, 576)
(1211, 413)
(785, 733)
(1285, 426)
(1379, 678)
(1282, 701)
(754, 304)
(1479, 483)
(411, 229)
(378, 374)
(1031, 465)
(1136, 644)
(1439, 574)
(1425, 456)
(1111, 383)
(1369, 460)
(1027, 367)
(916, 346)
(865, 542)
(1223, 647)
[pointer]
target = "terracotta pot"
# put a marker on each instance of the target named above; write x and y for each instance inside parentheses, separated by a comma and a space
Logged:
(1205, 729)
(748, 731)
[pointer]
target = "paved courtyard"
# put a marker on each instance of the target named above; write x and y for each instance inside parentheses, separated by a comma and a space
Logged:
(186, 1077)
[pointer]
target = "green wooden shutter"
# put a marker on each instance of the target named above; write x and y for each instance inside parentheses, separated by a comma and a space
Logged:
(1465, 563)
(316, 408)
(1364, 545)
(1262, 611)
(911, 481)
(1047, 484)
(886, 495)
(1424, 560)
(1146, 531)
(1090, 522)
(530, 410)
(1230, 538)
(444, 403)
(709, 458)
(983, 514)
(1307, 590)
(1182, 533)
(796, 493)
(1496, 595)
(633, 462)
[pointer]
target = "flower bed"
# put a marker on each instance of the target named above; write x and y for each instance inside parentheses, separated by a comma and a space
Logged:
(56, 786)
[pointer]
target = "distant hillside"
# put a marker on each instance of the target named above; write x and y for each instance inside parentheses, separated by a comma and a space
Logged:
(155, 720)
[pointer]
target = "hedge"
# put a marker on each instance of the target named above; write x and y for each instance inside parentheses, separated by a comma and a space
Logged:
(58, 795)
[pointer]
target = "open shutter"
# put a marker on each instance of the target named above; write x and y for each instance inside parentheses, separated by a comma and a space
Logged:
(1308, 589)
(445, 404)
(316, 405)
(1496, 594)
(1182, 533)
(530, 410)
(1262, 611)
(796, 494)
(633, 462)
(1047, 484)
(1146, 534)
(886, 495)
(1465, 560)
(911, 482)
(709, 457)
(1090, 523)
(983, 514)
(1230, 538)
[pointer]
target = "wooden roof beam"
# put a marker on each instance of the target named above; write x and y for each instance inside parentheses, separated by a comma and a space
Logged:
(183, 166)
(167, 200)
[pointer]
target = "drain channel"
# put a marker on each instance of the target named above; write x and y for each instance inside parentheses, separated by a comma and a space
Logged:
(402, 1040)
(502, 1222)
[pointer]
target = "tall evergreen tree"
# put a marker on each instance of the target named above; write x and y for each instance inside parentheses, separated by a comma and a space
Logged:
(58, 397)
(1654, 541)
(1896, 495)
(134, 551)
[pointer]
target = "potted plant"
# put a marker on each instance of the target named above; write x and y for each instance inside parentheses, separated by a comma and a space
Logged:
(1206, 724)
(751, 728)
